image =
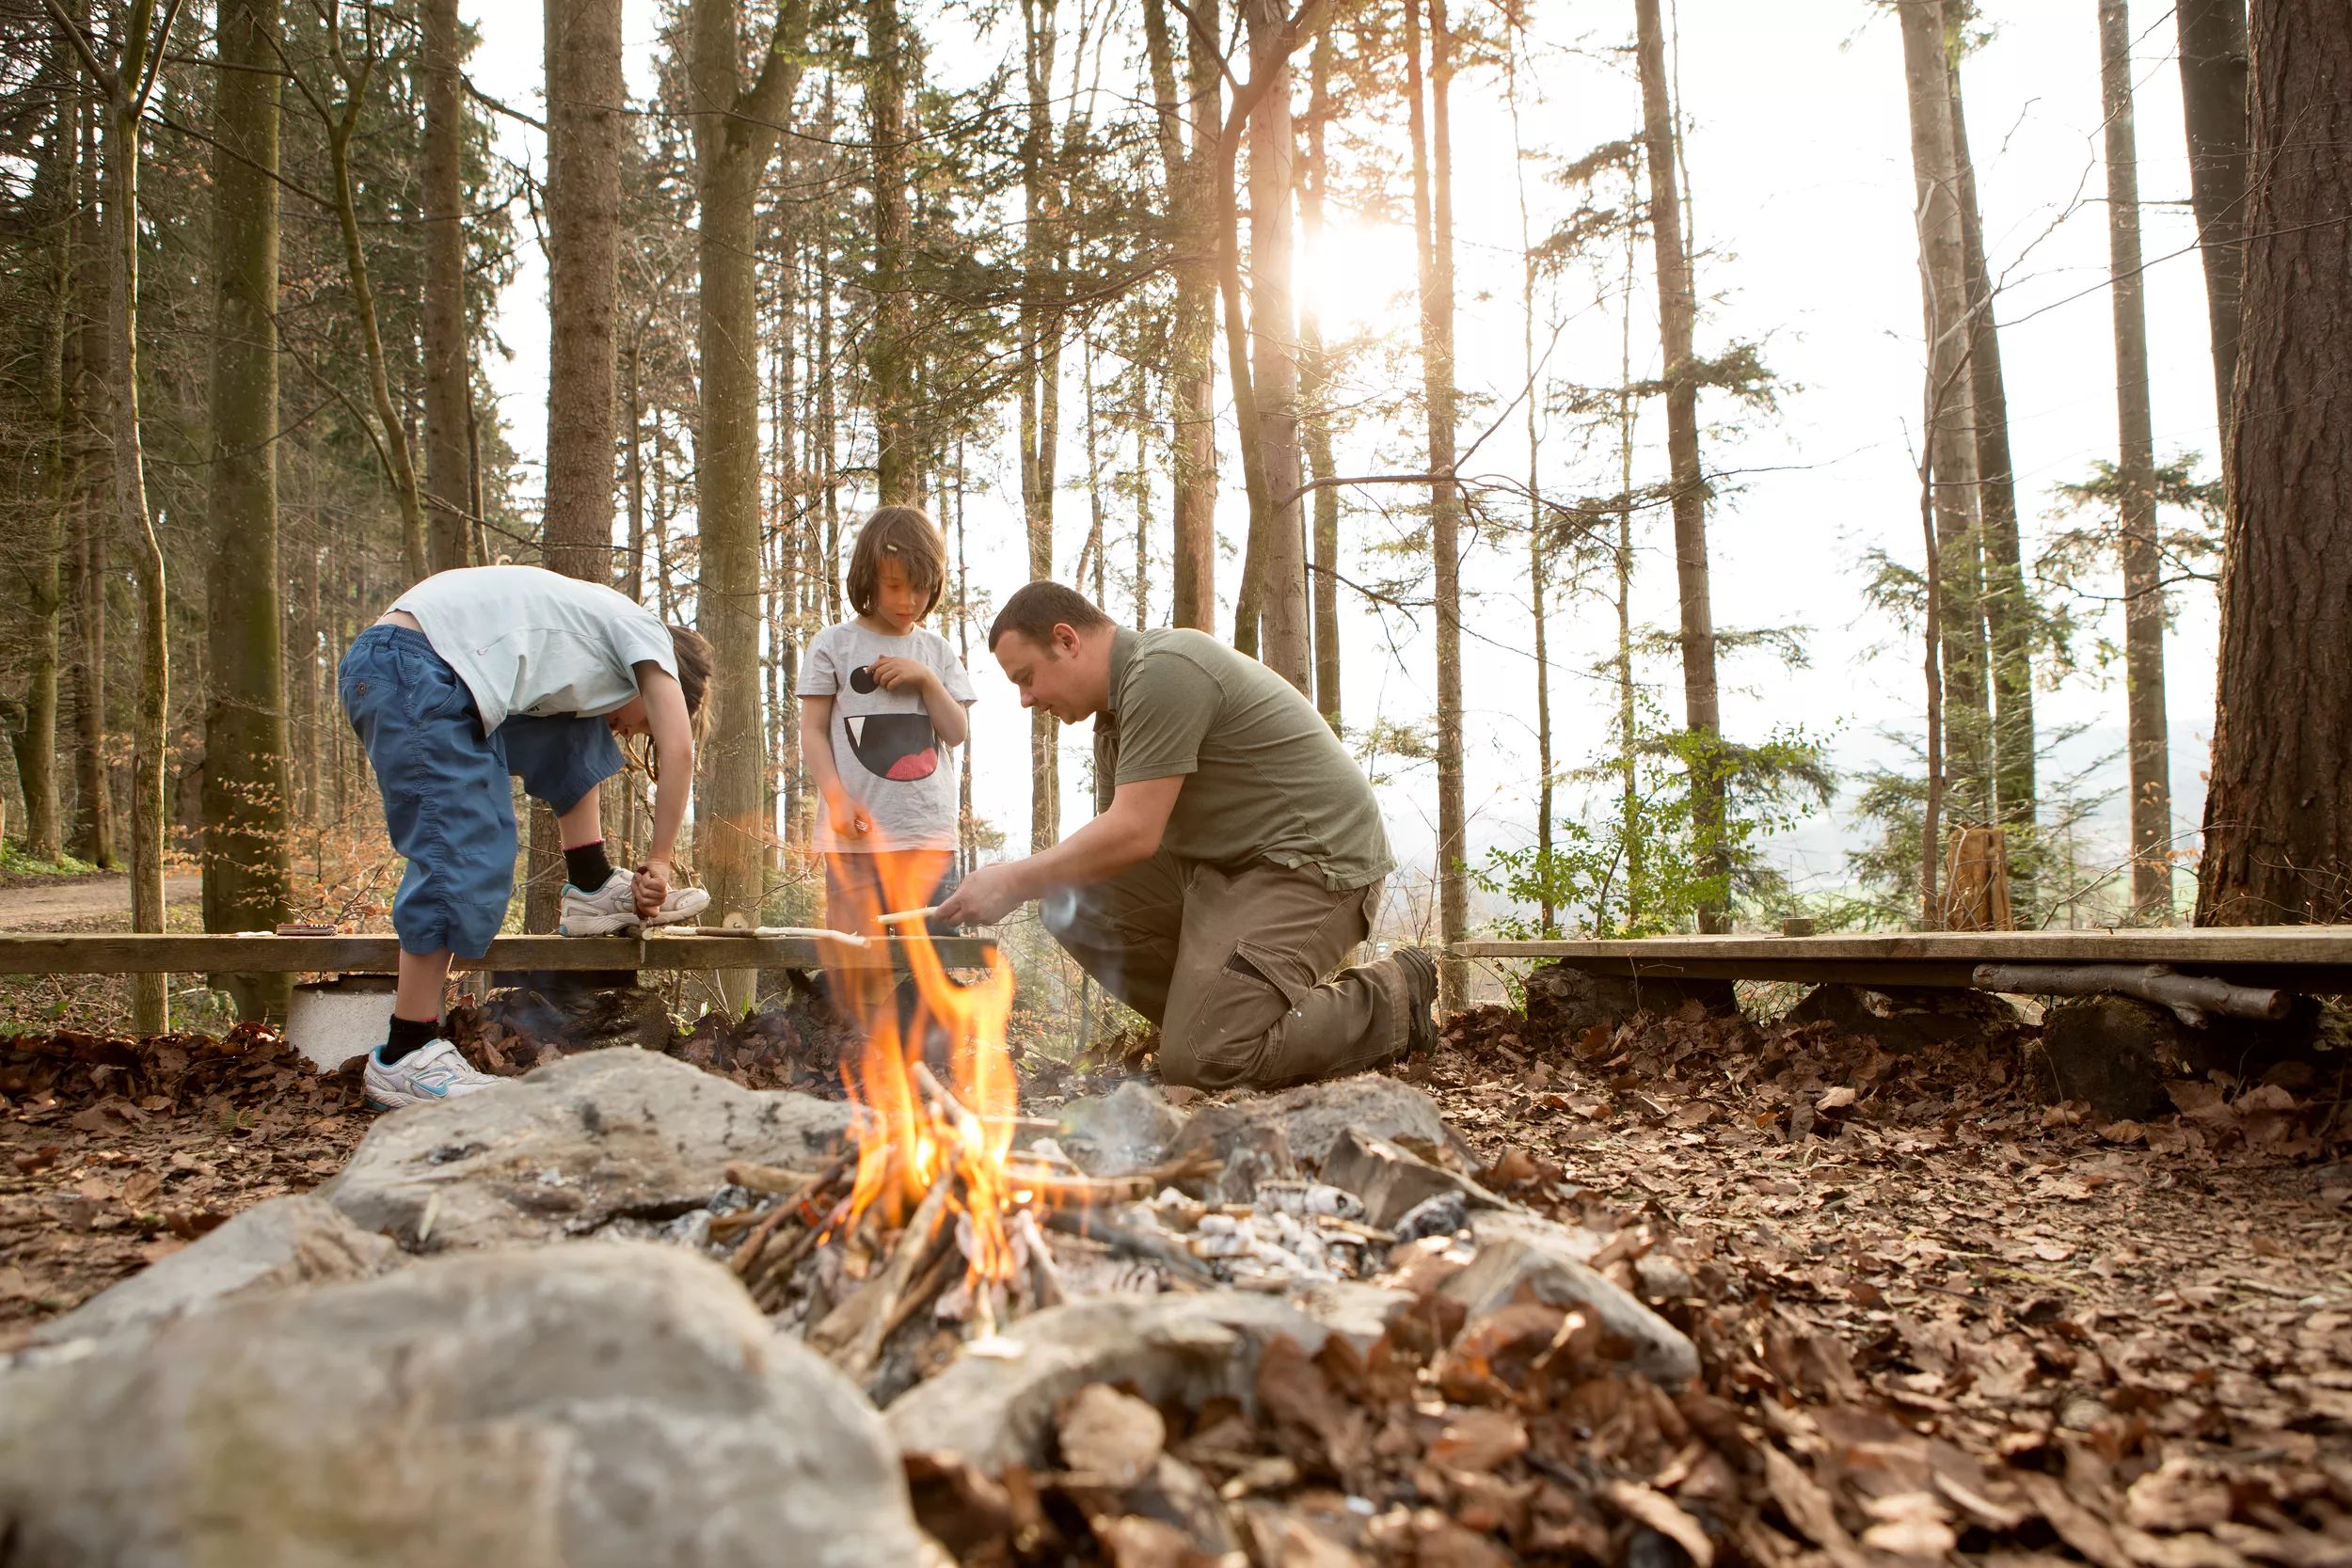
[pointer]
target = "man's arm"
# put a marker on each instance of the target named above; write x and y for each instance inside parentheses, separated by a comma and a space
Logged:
(1127, 835)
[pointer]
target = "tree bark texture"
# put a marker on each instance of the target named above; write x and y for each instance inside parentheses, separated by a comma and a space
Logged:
(1040, 380)
(1431, 131)
(342, 122)
(586, 97)
(2213, 99)
(2146, 745)
(735, 135)
(150, 738)
(89, 355)
(1927, 38)
(57, 196)
(1192, 328)
(2278, 815)
(1678, 320)
(2008, 610)
(248, 792)
(1315, 394)
(447, 472)
(1277, 536)
(890, 350)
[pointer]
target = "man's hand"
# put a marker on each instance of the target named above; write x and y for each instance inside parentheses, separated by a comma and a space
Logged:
(651, 887)
(985, 897)
(913, 677)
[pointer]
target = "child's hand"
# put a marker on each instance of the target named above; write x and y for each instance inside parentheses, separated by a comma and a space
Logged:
(652, 886)
(892, 673)
(848, 818)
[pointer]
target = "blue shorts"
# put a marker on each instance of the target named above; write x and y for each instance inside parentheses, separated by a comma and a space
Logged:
(447, 802)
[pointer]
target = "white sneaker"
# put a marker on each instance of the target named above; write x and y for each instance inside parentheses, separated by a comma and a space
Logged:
(612, 908)
(426, 1076)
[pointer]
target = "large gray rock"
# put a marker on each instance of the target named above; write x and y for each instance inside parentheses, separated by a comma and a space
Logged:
(1311, 1119)
(1509, 1263)
(1904, 1018)
(1563, 1004)
(605, 1135)
(282, 1242)
(605, 1405)
(1126, 1129)
(2116, 1052)
(1178, 1350)
(1392, 1179)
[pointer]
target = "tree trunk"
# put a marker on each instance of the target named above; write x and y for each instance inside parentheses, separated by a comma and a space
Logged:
(1276, 585)
(890, 351)
(2213, 96)
(150, 737)
(1315, 392)
(398, 461)
(1928, 39)
(2143, 588)
(1192, 329)
(91, 353)
(586, 107)
(1040, 381)
(1538, 566)
(1629, 411)
(735, 134)
(2278, 820)
(247, 793)
(2008, 607)
(1433, 226)
(447, 368)
(1677, 313)
(59, 187)
(586, 97)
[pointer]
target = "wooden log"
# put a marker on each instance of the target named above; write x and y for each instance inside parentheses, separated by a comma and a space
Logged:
(2190, 996)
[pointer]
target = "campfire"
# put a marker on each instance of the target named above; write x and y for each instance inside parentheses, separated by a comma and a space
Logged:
(933, 1233)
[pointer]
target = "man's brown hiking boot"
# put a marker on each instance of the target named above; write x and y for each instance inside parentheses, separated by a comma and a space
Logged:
(1420, 968)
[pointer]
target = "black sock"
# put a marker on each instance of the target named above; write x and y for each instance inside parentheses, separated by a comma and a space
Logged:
(408, 1036)
(586, 867)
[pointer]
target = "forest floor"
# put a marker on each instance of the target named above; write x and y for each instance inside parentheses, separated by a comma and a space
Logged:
(36, 903)
(1900, 1265)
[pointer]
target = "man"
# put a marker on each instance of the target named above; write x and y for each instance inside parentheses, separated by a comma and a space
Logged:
(1237, 864)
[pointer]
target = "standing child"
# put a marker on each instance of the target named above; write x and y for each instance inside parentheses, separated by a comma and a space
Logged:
(487, 672)
(882, 702)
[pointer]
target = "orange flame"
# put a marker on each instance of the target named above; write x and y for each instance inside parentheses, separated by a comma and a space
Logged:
(910, 1139)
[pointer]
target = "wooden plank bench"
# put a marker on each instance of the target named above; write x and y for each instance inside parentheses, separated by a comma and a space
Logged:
(224, 953)
(2313, 959)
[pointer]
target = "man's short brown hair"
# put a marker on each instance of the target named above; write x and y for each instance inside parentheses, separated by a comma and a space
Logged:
(907, 534)
(1036, 610)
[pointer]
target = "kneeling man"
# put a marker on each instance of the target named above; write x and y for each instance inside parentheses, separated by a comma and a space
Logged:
(1236, 864)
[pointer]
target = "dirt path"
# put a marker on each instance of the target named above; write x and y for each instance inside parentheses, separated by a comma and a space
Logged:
(29, 908)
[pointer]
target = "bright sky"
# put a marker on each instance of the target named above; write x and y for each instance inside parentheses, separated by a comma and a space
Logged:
(1802, 193)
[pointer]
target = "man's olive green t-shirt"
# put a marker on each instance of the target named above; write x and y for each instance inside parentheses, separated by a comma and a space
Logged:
(1265, 777)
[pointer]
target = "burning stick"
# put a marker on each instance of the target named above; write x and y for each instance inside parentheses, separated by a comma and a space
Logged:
(907, 917)
(872, 1307)
(1044, 1278)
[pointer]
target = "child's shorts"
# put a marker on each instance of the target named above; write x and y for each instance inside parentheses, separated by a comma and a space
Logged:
(447, 802)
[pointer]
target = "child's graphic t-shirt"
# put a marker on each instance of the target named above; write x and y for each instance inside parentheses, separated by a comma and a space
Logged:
(889, 757)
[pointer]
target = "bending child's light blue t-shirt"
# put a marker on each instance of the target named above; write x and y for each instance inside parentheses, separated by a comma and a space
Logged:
(525, 639)
(889, 757)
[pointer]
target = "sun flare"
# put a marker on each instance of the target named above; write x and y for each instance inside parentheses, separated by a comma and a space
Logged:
(1359, 276)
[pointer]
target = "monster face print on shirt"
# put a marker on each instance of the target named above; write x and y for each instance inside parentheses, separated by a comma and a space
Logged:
(899, 746)
(884, 746)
